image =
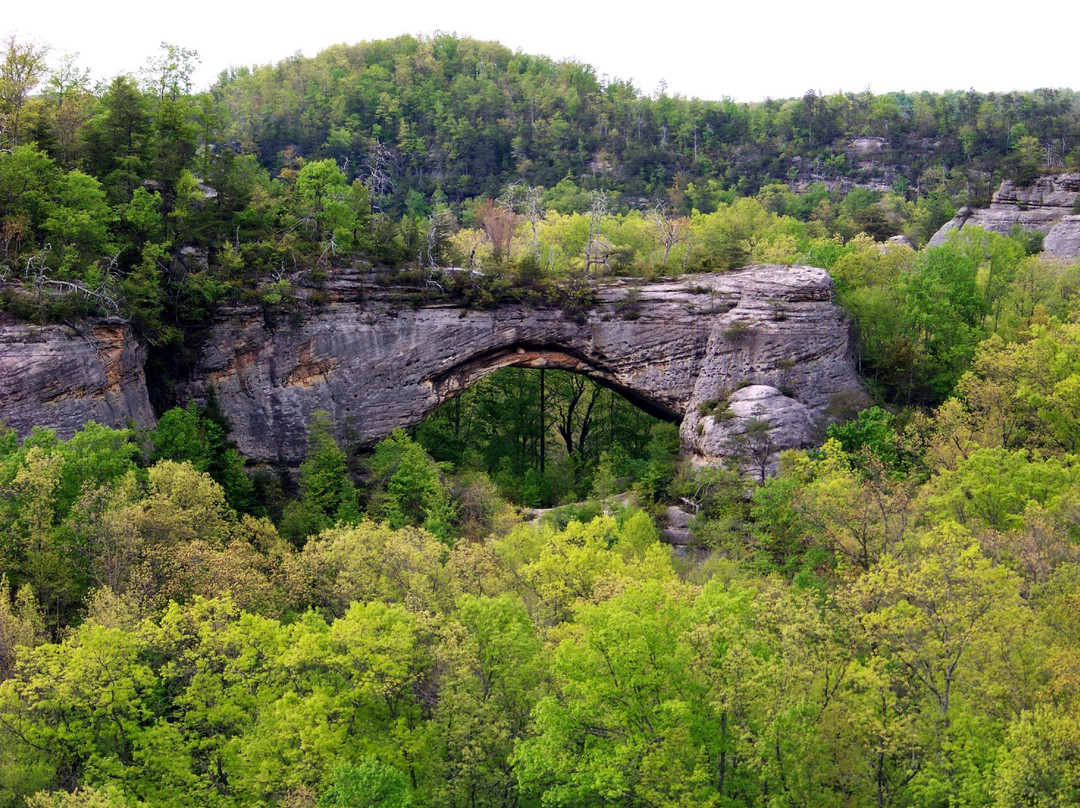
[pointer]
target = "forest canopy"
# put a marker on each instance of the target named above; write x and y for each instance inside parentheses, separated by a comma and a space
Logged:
(486, 611)
(143, 198)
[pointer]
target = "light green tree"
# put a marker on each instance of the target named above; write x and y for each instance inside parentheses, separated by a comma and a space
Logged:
(945, 620)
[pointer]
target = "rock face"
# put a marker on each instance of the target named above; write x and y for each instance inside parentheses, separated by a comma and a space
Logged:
(1045, 206)
(1063, 240)
(751, 360)
(676, 527)
(791, 423)
(670, 347)
(55, 376)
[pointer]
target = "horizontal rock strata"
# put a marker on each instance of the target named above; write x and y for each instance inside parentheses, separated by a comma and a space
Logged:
(668, 346)
(61, 377)
(1045, 206)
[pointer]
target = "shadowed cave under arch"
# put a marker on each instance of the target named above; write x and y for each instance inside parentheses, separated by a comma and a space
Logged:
(454, 382)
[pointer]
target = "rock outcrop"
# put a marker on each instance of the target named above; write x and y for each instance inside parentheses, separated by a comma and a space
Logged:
(749, 361)
(1063, 240)
(1045, 206)
(59, 377)
(675, 527)
(670, 347)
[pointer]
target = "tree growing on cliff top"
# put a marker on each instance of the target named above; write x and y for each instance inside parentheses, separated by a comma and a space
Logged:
(21, 70)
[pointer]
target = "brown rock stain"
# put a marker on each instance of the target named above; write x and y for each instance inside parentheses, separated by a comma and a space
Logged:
(310, 368)
(109, 341)
(236, 366)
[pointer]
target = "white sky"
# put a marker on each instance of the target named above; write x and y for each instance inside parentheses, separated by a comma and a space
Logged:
(745, 50)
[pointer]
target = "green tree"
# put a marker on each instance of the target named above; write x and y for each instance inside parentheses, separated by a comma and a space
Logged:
(994, 488)
(77, 706)
(78, 222)
(28, 180)
(1023, 393)
(85, 797)
(198, 435)
(21, 625)
(168, 74)
(493, 672)
(69, 102)
(1040, 762)
(325, 201)
(21, 70)
(414, 494)
(327, 493)
(371, 784)
(370, 561)
(945, 618)
(944, 311)
(622, 725)
(117, 139)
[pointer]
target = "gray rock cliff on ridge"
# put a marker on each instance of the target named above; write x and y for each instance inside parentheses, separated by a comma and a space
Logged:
(668, 346)
(59, 377)
(1045, 206)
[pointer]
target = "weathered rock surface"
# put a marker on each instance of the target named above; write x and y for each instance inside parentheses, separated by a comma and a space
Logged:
(767, 341)
(675, 526)
(792, 423)
(55, 376)
(667, 346)
(863, 146)
(1043, 206)
(1063, 240)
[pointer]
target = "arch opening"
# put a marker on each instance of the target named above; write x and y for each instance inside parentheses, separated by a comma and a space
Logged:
(545, 426)
(453, 382)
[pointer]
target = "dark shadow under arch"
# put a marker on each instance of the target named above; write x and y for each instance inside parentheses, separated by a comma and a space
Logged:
(456, 380)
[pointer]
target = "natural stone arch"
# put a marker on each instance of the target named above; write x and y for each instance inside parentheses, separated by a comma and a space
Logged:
(766, 342)
(551, 357)
(669, 347)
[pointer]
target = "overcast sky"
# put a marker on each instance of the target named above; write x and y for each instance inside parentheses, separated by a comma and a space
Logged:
(747, 50)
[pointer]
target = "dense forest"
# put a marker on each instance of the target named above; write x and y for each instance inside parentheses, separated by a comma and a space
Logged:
(481, 612)
(143, 198)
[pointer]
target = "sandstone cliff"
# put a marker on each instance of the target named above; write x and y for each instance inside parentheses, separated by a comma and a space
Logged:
(719, 353)
(672, 347)
(61, 377)
(1045, 206)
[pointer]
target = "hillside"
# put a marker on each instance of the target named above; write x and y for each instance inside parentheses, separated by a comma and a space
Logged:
(470, 117)
(319, 488)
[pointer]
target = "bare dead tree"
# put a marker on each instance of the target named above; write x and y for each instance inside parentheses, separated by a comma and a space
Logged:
(380, 167)
(669, 229)
(527, 201)
(440, 224)
(595, 251)
(105, 293)
(499, 222)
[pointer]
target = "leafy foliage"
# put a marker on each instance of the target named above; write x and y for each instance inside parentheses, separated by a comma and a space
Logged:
(891, 620)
